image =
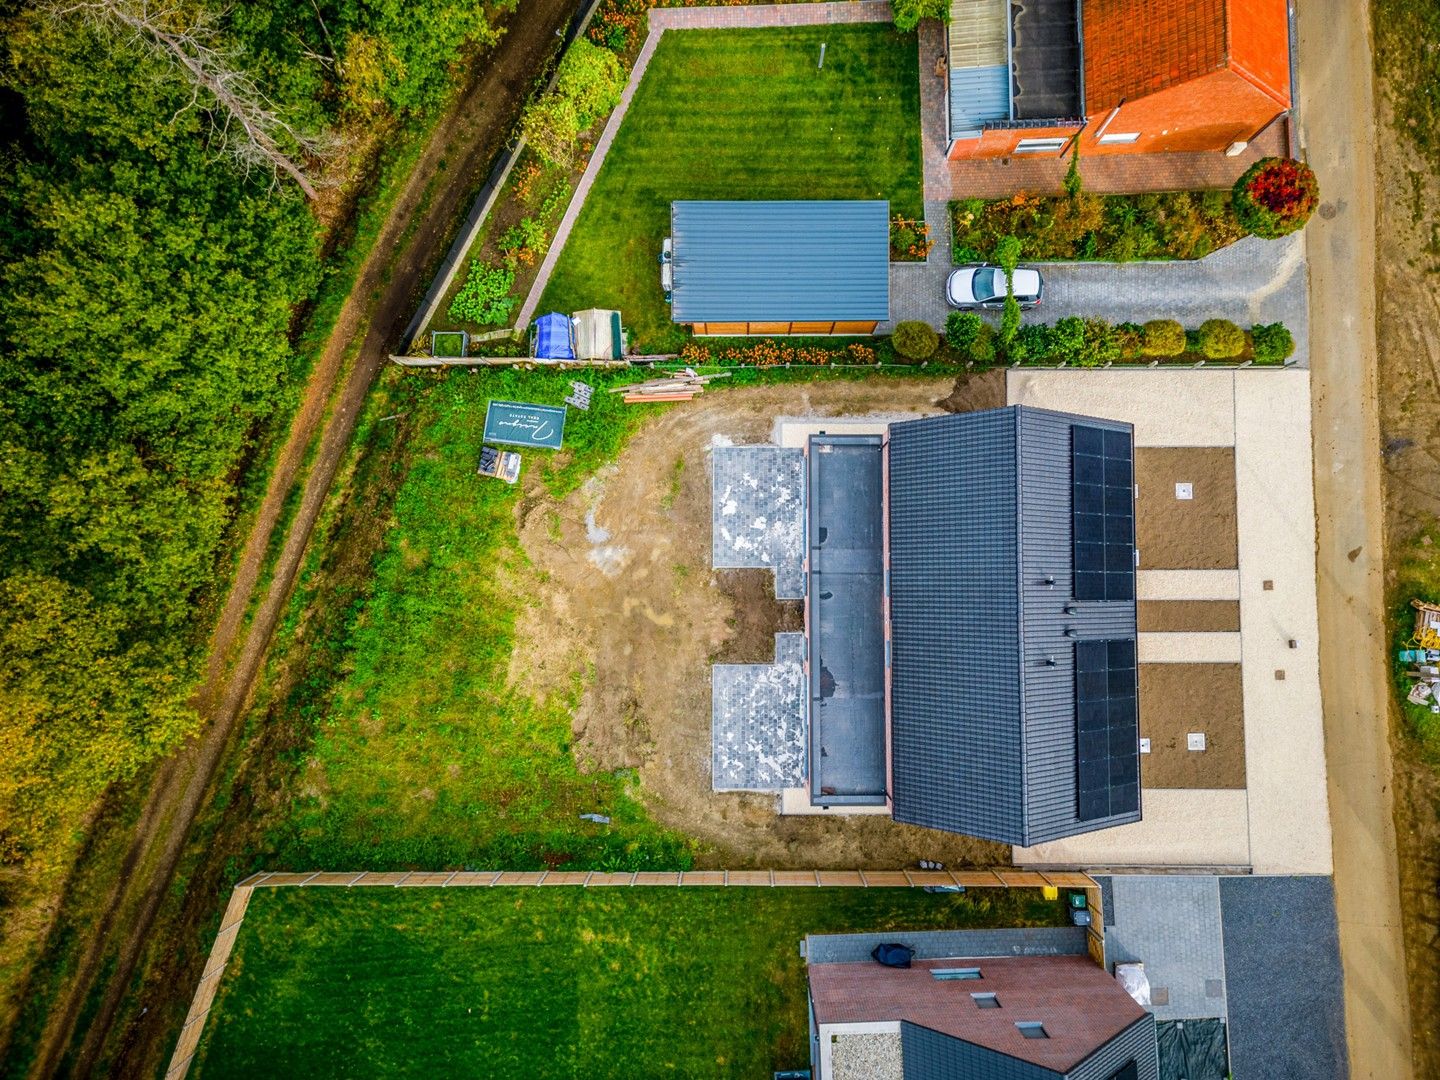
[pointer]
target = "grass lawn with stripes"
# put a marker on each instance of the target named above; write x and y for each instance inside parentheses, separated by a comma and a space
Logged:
(741, 114)
(558, 982)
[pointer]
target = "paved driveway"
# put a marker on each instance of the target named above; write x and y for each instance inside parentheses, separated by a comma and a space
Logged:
(1253, 281)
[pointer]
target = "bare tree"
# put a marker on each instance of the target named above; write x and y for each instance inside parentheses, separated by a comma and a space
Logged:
(250, 126)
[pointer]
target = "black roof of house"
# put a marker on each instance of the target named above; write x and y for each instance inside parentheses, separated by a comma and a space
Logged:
(1012, 622)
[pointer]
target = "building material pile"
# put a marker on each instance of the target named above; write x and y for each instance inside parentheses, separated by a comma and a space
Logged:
(680, 386)
(1424, 655)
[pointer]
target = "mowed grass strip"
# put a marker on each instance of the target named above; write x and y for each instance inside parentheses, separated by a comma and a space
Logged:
(741, 114)
(535, 983)
(423, 754)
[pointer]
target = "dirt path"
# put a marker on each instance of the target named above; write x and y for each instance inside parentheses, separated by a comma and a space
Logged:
(460, 151)
(621, 572)
(1337, 133)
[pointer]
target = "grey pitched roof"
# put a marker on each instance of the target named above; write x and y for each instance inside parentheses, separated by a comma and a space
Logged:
(983, 680)
(780, 261)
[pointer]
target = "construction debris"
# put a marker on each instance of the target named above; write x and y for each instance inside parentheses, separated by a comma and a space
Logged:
(1427, 625)
(580, 395)
(501, 464)
(680, 386)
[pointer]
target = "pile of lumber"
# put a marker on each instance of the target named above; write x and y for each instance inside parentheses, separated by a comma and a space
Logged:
(680, 386)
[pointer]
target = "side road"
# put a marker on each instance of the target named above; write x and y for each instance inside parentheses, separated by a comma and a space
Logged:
(1338, 135)
(461, 148)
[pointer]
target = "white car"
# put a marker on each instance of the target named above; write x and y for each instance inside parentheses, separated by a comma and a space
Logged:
(983, 286)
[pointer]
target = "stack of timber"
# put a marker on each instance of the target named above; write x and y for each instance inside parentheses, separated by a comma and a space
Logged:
(680, 386)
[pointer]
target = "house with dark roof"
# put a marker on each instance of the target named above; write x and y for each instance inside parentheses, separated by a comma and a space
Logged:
(1115, 77)
(990, 1005)
(969, 659)
(802, 267)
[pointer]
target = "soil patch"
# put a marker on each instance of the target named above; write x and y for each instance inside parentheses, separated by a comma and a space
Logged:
(1177, 699)
(1186, 534)
(1188, 616)
(758, 616)
(625, 594)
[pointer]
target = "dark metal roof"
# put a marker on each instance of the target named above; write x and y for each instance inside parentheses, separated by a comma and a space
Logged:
(983, 691)
(780, 261)
(1045, 59)
(846, 537)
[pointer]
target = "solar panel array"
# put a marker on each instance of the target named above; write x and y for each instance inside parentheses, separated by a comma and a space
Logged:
(1106, 729)
(1102, 480)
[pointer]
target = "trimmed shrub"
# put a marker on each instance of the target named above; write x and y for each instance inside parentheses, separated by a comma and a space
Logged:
(982, 349)
(1033, 341)
(1067, 338)
(908, 13)
(1220, 339)
(485, 297)
(1275, 196)
(915, 340)
(1272, 343)
(1162, 337)
(1101, 344)
(961, 328)
(1127, 339)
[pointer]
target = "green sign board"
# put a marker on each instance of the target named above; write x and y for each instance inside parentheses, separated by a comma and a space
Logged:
(518, 424)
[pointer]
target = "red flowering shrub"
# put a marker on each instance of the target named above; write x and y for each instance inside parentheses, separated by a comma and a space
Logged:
(619, 24)
(1275, 197)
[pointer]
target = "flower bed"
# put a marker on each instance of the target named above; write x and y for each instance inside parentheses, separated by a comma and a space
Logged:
(1109, 228)
(910, 239)
(770, 352)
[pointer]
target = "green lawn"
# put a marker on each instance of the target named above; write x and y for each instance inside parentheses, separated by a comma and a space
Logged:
(741, 114)
(423, 754)
(535, 982)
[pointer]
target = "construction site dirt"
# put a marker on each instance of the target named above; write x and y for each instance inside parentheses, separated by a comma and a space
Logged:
(626, 591)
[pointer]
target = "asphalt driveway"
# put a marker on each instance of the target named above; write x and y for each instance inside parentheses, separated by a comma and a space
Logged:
(1253, 281)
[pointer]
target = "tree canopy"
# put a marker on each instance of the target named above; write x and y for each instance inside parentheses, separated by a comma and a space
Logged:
(148, 288)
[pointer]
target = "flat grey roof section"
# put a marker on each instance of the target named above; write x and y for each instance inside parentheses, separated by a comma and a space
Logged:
(1282, 964)
(757, 513)
(941, 944)
(845, 531)
(758, 721)
(1172, 925)
(780, 261)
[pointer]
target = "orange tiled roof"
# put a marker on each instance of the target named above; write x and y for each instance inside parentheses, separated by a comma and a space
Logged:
(1136, 47)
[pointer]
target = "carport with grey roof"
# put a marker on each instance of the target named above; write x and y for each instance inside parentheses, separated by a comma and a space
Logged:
(780, 262)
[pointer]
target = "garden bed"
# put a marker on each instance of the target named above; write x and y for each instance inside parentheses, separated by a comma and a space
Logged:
(1104, 228)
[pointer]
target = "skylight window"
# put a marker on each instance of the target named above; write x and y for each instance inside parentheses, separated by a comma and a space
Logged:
(944, 974)
(985, 1001)
(1032, 1029)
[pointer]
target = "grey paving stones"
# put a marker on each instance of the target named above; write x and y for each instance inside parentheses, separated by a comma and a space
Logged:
(758, 735)
(758, 513)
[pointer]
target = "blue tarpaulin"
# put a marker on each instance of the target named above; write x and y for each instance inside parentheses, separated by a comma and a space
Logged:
(552, 337)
